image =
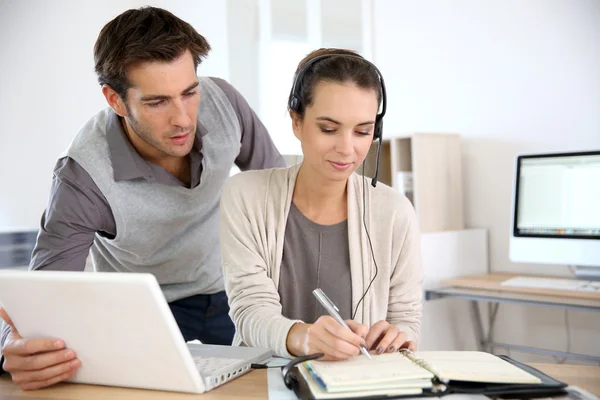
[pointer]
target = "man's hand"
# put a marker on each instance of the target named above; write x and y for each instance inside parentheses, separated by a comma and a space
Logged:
(327, 336)
(386, 337)
(36, 363)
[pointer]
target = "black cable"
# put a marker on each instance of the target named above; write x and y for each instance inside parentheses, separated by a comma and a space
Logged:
(265, 366)
(369, 238)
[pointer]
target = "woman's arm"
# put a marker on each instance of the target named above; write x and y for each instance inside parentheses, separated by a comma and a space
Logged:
(406, 292)
(255, 306)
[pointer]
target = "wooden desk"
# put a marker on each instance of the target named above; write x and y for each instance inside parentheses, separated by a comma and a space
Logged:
(494, 282)
(250, 386)
(488, 288)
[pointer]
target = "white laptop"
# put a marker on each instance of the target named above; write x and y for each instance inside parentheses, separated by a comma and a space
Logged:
(121, 328)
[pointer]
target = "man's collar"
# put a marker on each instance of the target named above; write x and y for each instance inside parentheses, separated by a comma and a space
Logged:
(126, 161)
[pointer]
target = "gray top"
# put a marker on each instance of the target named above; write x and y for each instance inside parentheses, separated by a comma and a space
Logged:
(77, 209)
(314, 256)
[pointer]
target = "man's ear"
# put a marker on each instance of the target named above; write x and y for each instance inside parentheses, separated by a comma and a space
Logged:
(296, 124)
(114, 101)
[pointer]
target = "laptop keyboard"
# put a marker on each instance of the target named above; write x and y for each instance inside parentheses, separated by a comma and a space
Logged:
(208, 365)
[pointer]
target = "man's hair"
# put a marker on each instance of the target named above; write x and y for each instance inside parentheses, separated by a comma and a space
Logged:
(143, 35)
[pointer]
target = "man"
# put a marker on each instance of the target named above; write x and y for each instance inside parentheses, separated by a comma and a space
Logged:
(141, 183)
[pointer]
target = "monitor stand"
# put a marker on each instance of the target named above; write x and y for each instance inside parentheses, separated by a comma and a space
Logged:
(587, 273)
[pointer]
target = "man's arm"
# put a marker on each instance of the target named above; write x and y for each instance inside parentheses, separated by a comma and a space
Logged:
(76, 211)
(257, 150)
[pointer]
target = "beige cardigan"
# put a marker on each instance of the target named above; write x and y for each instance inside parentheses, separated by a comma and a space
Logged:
(254, 212)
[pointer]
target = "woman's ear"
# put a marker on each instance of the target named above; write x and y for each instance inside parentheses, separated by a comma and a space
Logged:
(296, 124)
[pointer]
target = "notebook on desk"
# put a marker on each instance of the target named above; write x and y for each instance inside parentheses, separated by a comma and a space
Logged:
(424, 374)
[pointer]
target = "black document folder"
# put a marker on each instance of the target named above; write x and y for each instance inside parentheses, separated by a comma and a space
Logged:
(297, 379)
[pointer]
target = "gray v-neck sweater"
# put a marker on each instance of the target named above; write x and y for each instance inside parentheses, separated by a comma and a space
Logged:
(165, 230)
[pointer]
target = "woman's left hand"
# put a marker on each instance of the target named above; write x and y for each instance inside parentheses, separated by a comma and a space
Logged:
(384, 336)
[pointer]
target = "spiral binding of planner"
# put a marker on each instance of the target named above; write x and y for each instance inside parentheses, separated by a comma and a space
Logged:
(423, 364)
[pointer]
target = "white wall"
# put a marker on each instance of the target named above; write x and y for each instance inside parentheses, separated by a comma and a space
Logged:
(267, 39)
(49, 89)
(242, 32)
(510, 76)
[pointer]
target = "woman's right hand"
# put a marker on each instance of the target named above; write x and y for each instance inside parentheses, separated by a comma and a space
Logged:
(327, 336)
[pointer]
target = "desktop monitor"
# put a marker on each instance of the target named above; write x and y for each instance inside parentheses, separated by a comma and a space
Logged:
(556, 211)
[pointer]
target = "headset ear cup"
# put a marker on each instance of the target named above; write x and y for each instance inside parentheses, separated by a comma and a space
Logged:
(294, 103)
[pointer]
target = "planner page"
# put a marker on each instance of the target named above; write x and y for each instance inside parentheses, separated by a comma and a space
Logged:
(319, 393)
(474, 366)
(389, 369)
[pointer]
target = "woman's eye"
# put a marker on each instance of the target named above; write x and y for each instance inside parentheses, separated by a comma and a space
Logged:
(325, 130)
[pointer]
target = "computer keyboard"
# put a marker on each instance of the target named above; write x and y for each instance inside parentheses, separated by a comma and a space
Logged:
(553, 283)
(208, 365)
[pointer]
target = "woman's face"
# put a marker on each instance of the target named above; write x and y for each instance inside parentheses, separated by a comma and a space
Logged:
(337, 130)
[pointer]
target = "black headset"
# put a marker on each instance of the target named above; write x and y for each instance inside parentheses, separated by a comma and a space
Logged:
(295, 103)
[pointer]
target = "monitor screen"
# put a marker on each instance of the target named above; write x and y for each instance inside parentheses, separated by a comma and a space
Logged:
(558, 196)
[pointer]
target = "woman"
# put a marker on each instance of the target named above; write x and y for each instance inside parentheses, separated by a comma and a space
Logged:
(286, 232)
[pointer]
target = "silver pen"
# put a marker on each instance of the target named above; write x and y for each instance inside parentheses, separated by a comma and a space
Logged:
(334, 312)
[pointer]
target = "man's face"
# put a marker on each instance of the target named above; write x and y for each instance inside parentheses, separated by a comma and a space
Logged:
(162, 107)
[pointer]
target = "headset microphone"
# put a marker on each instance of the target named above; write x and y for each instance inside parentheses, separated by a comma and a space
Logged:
(374, 180)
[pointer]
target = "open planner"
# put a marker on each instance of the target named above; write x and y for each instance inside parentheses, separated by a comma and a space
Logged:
(423, 374)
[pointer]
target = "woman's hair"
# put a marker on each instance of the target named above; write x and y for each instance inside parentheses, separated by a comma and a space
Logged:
(142, 35)
(339, 66)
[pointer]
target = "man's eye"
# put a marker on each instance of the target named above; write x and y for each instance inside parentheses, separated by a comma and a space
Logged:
(156, 103)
